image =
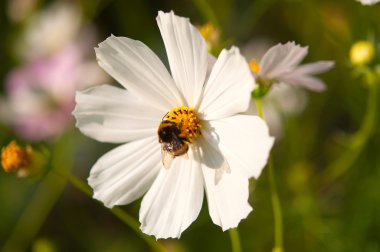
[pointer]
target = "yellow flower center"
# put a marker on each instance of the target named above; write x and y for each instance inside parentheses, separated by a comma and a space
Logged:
(187, 122)
(14, 157)
(255, 67)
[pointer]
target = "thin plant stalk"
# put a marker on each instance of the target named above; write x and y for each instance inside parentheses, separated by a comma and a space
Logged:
(358, 141)
(42, 200)
(35, 213)
(277, 211)
(235, 240)
(116, 211)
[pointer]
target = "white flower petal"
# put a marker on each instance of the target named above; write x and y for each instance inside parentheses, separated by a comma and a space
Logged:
(281, 58)
(244, 141)
(227, 200)
(315, 67)
(139, 70)
(209, 152)
(228, 89)
(126, 172)
(187, 54)
(174, 200)
(306, 81)
(211, 59)
(368, 2)
(111, 114)
(211, 156)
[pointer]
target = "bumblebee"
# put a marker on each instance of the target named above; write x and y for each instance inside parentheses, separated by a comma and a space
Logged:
(178, 129)
(172, 144)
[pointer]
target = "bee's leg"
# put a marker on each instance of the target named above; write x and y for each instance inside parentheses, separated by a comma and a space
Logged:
(165, 116)
(180, 125)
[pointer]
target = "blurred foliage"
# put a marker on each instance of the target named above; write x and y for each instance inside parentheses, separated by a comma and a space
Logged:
(320, 213)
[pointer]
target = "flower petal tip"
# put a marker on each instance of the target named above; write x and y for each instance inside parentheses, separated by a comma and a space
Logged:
(236, 223)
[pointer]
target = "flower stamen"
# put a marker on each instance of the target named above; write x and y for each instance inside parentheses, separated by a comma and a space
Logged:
(255, 67)
(187, 122)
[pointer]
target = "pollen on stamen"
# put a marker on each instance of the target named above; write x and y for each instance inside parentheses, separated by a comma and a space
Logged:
(186, 118)
(255, 67)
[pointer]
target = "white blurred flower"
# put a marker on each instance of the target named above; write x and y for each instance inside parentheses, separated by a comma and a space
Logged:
(280, 64)
(281, 103)
(368, 2)
(49, 30)
(227, 149)
(40, 92)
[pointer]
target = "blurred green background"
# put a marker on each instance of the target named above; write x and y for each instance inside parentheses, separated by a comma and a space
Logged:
(327, 167)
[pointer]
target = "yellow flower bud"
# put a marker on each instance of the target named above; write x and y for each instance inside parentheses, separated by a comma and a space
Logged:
(362, 52)
(211, 34)
(24, 160)
(14, 157)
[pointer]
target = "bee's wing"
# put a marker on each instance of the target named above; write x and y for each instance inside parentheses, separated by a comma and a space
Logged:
(167, 158)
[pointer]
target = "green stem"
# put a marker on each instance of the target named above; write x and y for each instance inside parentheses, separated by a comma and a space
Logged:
(357, 142)
(43, 199)
(116, 211)
(35, 213)
(277, 212)
(235, 240)
(259, 106)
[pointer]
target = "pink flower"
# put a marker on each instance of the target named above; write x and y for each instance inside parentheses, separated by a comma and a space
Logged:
(41, 92)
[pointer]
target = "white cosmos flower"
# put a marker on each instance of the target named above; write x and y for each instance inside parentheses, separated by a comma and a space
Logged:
(280, 64)
(229, 142)
(368, 2)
